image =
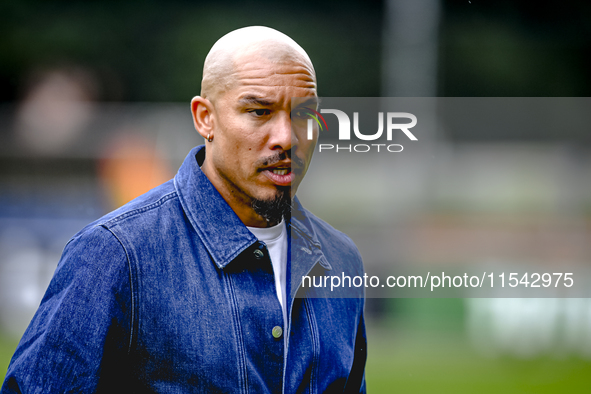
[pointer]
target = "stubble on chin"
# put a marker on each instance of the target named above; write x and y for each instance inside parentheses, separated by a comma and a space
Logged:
(275, 208)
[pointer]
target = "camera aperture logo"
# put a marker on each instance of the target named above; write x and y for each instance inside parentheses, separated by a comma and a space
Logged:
(393, 124)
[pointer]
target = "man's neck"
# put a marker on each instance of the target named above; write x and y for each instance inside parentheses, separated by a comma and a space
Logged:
(241, 208)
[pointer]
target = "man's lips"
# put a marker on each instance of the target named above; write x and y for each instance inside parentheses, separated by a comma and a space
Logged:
(280, 176)
(281, 168)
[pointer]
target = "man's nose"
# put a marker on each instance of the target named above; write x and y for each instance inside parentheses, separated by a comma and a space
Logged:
(281, 135)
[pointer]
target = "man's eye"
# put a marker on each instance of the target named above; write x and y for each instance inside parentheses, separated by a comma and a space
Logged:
(298, 114)
(260, 112)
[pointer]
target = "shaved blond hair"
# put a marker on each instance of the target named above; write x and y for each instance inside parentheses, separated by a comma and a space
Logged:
(268, 43)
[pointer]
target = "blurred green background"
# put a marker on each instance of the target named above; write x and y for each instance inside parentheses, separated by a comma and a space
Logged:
(154, 50)
(85, 85)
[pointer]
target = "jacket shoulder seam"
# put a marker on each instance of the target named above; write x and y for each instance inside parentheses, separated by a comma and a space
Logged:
(140, 210)
(131, 288)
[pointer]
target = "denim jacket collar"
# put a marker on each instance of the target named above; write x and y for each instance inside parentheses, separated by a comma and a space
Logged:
(305, 248)
(301, 223)
(220, 229)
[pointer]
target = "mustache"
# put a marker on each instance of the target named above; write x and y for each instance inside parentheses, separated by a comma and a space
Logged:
(296, 162)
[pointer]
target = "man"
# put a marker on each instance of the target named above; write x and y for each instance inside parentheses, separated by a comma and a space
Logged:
(173, 292)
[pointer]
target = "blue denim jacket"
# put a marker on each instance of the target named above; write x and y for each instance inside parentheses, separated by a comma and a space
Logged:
(172, 294)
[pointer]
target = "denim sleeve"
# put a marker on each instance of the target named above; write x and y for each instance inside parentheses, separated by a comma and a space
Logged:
(79, 338)
(356, 381)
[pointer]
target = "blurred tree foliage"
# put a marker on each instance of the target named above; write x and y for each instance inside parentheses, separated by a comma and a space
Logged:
(516, 48)
(153, 50)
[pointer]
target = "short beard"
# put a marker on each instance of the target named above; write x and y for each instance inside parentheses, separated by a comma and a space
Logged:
(276, 208)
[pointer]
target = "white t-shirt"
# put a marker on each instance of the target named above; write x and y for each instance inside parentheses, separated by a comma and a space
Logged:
(276, 240)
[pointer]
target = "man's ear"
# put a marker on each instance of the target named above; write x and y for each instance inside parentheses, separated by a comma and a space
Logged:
(203, 120)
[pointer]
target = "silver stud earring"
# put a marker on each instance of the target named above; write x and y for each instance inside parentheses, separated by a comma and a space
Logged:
(209, 137)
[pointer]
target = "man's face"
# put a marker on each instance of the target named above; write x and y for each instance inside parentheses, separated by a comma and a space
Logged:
(257, 155)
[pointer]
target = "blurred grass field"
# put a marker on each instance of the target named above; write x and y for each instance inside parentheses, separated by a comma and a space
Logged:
(421, 347)
(7, 347)
(406, 361)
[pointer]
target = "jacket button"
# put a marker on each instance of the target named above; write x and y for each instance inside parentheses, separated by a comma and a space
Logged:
(258, 253)
(277, 332)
